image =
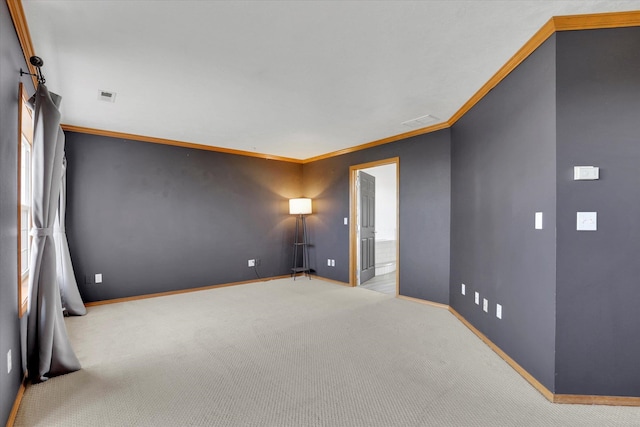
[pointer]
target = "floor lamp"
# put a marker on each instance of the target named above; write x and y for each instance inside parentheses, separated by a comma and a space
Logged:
(300, 207)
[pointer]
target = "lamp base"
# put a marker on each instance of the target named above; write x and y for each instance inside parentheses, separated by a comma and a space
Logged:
(300, 247)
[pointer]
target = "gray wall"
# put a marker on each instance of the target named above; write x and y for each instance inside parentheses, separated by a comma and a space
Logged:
(425, 178)
(154, 218)
(11, 60)
(598, 282)
(503, 171)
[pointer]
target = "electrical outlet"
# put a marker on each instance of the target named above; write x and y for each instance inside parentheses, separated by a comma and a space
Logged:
(333, 263)
(485, 305)
(463, 289)
(9, 365)
(477, 298)
(251, 263)
(328, 262)
(498, 311)
(98, 278)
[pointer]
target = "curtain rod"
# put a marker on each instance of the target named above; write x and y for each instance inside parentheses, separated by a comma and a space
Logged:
(37, 62)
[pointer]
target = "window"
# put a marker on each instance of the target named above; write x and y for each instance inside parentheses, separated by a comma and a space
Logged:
(25, 141)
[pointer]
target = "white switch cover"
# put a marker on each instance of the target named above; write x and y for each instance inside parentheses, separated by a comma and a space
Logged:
(477, 298)
(587, 221)
(538, 221)
(333, 263)
(485, 305)
(463, 289)
(9, 366)
(498, 311)
(586, 173)
(346, 221)
(98, 277)
(328, 262)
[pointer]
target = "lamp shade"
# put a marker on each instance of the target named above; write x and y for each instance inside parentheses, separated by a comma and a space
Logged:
(299, 206)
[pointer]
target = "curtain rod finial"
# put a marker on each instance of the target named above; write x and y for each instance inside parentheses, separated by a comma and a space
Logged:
(36, 61)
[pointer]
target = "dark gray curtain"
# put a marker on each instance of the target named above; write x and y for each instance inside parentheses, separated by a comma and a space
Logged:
(49, 351)
(71, 300)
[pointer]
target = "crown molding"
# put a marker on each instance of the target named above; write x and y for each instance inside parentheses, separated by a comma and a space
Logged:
(163, 141)
(597, 21)
(387, 140)
(24, 36)
(523, 53)
(555, 24)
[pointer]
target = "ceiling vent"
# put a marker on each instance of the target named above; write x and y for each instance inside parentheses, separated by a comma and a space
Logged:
(421, 121)
(106, 96)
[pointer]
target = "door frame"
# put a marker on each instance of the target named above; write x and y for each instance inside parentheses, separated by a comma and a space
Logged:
(353, 218)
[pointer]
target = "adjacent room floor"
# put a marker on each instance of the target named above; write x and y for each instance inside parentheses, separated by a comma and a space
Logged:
(385, 283)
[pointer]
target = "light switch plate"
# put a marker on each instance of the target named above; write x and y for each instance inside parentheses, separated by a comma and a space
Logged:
(588, 173)
(587, 221)
(499, 311)
(346, 221)
(538, 221)
(463, 289)
(485, 305)
(477, 298)
(98, 277)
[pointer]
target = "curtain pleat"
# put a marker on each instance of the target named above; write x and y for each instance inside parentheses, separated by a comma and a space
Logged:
(71, 299)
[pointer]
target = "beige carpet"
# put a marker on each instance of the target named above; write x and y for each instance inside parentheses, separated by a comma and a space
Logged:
(290, 353)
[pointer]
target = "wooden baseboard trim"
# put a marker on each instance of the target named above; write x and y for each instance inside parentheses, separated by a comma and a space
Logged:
(16, 405)
(519, 369)
(179, 291)
(576, 399)
(583, 399)
(337, 282)
(423, 301)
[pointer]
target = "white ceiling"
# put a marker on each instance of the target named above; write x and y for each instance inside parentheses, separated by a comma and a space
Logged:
(288, 78)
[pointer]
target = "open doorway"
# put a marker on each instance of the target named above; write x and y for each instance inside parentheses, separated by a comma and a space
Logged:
(374, 225)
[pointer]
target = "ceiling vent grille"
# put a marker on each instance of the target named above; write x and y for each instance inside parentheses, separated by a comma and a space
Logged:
(421, 121)
(106, 96)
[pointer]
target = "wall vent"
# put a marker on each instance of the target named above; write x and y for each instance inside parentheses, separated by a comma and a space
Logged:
(106, 96)
(421, 121)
